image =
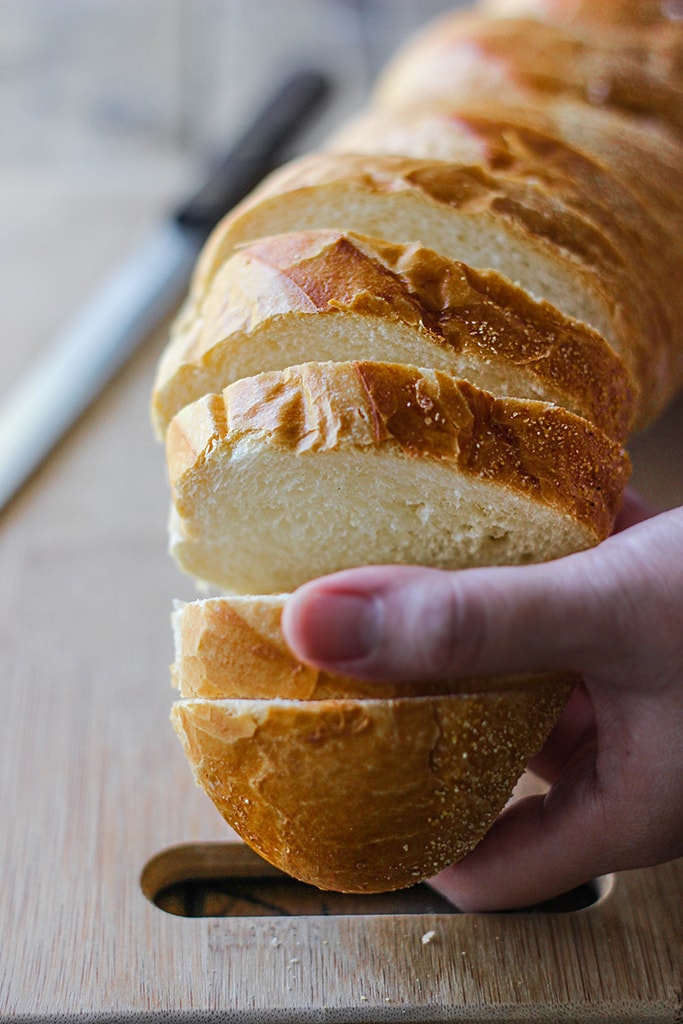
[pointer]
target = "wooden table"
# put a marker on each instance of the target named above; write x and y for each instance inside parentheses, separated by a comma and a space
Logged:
(109, 110)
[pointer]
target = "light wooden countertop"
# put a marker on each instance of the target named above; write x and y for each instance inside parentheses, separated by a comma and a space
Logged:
(110, 110)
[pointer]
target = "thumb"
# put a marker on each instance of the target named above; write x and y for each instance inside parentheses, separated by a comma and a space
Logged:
(406, 622)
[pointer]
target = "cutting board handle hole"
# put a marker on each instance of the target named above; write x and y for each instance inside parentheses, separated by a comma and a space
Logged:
(230, 880)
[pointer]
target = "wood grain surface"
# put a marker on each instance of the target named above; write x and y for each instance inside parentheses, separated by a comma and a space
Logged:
(109, 110)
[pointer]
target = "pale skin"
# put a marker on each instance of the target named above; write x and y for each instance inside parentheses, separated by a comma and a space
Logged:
(613, 763)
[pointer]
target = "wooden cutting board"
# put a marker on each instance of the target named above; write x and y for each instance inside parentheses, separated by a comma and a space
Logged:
(123, 895)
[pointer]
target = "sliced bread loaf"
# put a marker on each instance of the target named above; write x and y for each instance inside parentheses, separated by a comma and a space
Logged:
(290, 475)
(338, 296)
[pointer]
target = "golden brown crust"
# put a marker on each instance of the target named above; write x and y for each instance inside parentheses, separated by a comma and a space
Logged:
(540, 451)
(232, 647)
(643, 157)
(629, 70)
(537, 218)
(535, 156)
(471, 189)
(470, 318)
(434, 774)
(604, 13)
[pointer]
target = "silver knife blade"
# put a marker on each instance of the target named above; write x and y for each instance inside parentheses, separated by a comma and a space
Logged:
(143, 290)
(90, 350)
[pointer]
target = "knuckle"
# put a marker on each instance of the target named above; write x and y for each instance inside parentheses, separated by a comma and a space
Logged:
(454, 630)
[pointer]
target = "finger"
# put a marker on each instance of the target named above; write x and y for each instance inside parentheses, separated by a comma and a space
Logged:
(609, 613)
(634, 509)
(574, 728)
(540, 847)
(405, 622)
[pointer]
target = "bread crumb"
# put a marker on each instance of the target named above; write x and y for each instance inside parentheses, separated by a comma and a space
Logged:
(428, 937)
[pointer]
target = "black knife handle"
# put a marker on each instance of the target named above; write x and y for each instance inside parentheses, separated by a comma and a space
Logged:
(256, 153)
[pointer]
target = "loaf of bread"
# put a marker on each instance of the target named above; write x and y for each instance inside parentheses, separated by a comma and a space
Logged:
(427, 343)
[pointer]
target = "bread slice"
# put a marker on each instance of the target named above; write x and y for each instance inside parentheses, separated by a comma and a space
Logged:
(633, 70)
(294, 474)
(518, 150)
(328, 295)
(232, 647)
(465, 213)
(364, 796)
(645, 157)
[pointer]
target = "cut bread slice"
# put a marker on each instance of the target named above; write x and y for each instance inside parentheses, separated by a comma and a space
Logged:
(294, 474)
(364, 796)
(233, 647)
(630, 69)
(522, 230)
(522, 152)
(644, 157)
(336, 296)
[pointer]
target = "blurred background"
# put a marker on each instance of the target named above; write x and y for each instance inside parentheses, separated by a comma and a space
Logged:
(112, 109)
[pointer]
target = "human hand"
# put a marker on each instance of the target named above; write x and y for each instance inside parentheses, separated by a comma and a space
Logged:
(613, 762)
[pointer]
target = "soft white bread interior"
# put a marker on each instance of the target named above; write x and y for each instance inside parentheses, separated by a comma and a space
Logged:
(364, 795)
(293, 474)
(232, 647)
(329, 295)
(570, 137)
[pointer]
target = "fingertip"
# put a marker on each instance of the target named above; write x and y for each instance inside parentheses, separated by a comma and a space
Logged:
(532, 853)
(331, 627)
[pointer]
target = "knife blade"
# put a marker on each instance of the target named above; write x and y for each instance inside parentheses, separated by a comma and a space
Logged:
(94, 345)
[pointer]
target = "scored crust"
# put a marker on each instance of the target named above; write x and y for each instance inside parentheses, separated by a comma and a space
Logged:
(464, 212)
(515, 149)
(633, 70)
(606, 13)
(364, 796)
(295, 473)
(232, 647)
(522, 229)
(329, 295)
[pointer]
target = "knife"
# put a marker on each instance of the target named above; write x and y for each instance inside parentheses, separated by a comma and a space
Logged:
(123, 311)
